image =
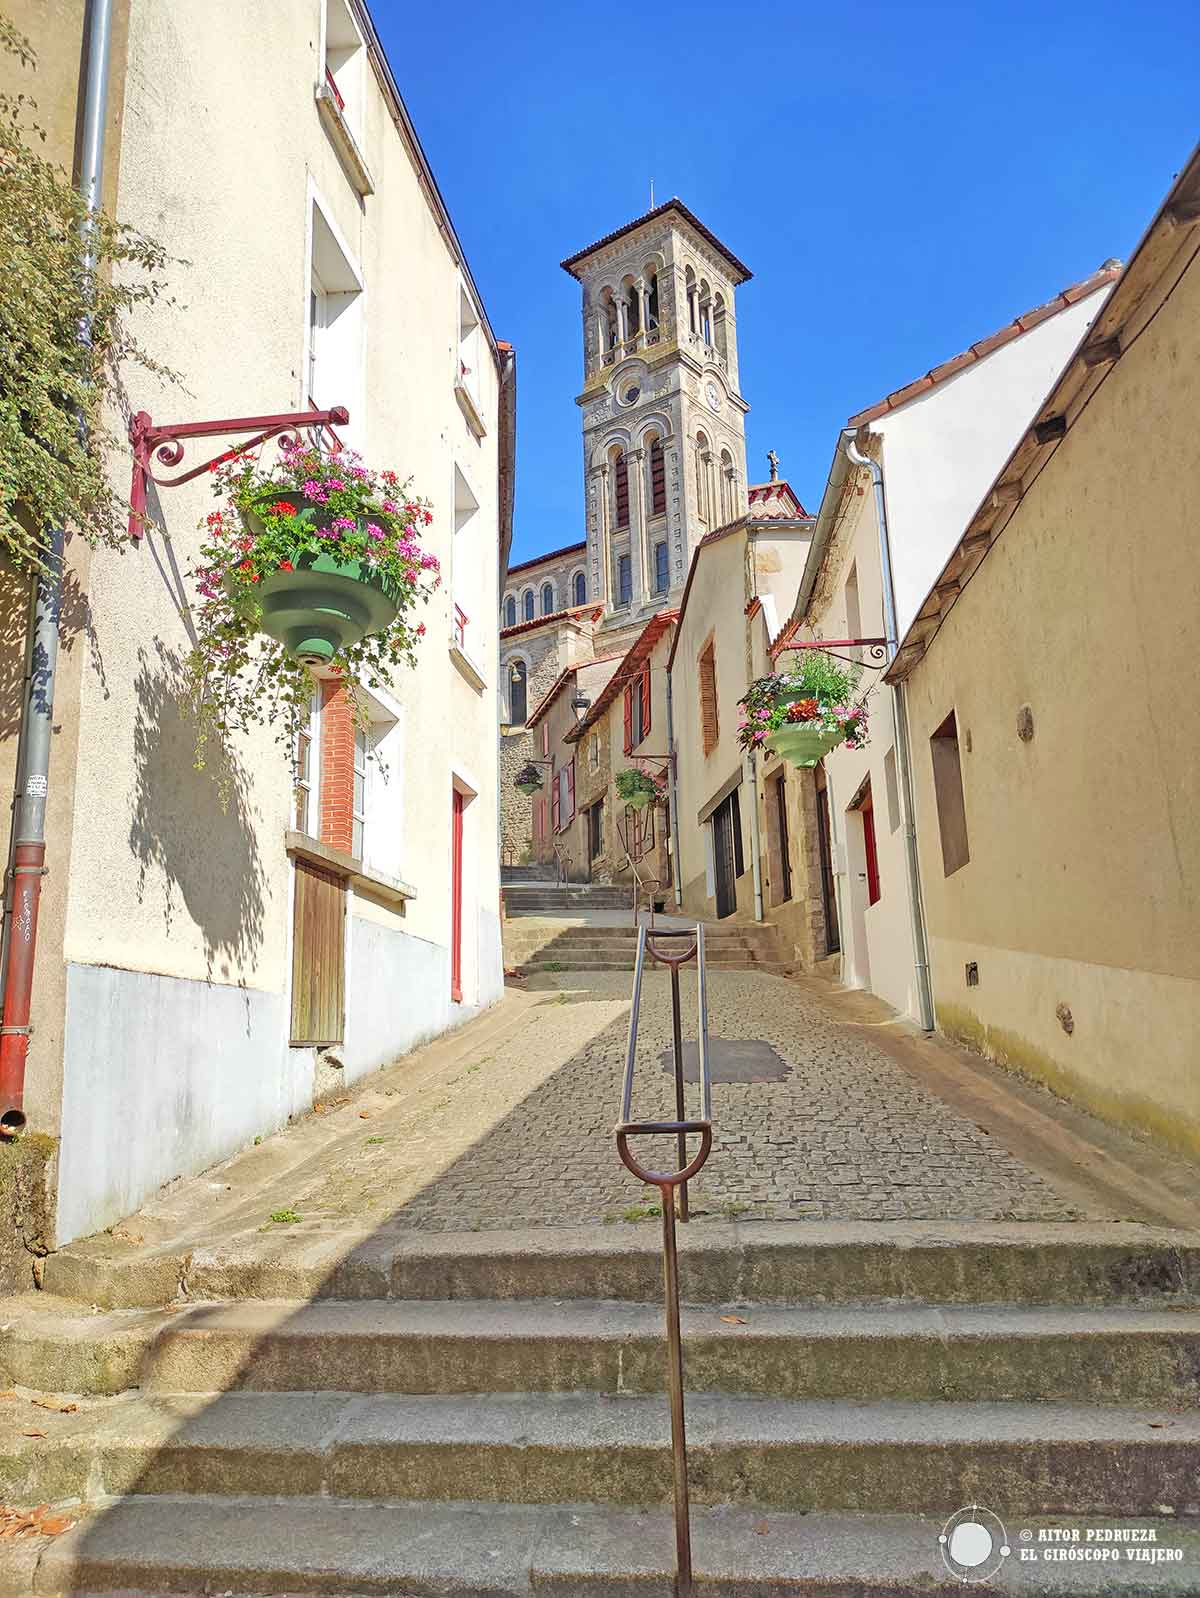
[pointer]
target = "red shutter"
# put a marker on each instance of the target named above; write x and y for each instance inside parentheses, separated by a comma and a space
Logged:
(629, 719)
(554, 817)
(872, 852)
(545, 738)
(646, 702)
(571, 791)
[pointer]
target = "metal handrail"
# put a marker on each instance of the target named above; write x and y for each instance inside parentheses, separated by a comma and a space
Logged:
(668, 1182)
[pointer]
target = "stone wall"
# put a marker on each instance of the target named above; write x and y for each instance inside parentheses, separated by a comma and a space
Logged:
(25, 1225)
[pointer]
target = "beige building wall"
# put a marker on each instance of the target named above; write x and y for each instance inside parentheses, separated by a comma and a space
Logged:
(1079, 904)
(176, 946)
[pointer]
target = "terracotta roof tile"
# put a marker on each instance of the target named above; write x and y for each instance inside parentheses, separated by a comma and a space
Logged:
(649, 216)
(775, 500)
(576, 613)
(1020, 324)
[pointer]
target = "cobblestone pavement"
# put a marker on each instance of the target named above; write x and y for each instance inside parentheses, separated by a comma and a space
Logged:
(847, 1135)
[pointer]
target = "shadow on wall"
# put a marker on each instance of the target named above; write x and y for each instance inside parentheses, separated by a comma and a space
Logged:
(75, 618)
(193, 827)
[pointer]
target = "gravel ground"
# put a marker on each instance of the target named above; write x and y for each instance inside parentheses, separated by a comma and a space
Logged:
(847, 1135)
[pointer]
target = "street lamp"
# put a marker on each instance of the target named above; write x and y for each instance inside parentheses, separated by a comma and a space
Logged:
(581, 704)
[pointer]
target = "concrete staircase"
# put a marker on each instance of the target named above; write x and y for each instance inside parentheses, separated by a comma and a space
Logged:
(483, 1414)
(728, 947)
(564, 899)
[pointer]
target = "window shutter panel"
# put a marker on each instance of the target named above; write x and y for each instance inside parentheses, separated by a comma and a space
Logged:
(571, 791)
(554, 812)
(629, 719)
(645, 701)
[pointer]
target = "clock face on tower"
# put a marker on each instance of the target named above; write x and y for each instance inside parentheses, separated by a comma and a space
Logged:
(713, 395)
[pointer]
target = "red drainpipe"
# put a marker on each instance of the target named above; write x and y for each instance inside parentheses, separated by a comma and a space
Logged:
(28, 864)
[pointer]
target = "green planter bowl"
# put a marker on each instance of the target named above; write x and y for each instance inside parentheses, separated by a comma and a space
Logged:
(800, 745)
(322, 606)
(527, 788)
(639, 801)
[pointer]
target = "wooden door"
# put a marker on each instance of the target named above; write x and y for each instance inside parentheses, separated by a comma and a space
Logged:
(456, 891)
(723, 862)
(785, 853)
(318, 956)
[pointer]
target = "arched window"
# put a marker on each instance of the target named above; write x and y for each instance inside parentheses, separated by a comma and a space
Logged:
(633, 306)
(727, 508)
(527, 604)
(651, 277)
(510, 611)
(612, 325)
(547, 598)
(518, 700)
(658, 479)
(702, 476)
(720, 336)
(579, 596)
(621, 490)
(689, 281)
(705, 312)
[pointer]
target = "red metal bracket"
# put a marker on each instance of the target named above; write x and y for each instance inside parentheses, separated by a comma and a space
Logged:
(166, 445)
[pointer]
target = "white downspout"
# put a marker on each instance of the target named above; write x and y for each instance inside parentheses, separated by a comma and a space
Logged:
(900, 719)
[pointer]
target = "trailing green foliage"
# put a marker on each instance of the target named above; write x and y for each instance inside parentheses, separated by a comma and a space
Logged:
(52, 469)
(818, 694)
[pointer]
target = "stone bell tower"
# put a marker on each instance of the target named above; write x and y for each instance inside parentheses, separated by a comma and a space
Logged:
(664, 444)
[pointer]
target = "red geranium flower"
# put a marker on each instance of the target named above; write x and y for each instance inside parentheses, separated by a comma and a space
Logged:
(286, 566)
(283, 508)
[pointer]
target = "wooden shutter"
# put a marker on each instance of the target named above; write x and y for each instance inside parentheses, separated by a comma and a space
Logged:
(629, 719)
(867, 809)
(645, 689)
(571, 792)
(622, 494)
(318, 956)
(554, 805)
(709, 725)
(658, 481)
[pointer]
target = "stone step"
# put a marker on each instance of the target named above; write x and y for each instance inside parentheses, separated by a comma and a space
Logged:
(466, 1550)
(808, 1456)
(1083, 1354)
(930, 1262)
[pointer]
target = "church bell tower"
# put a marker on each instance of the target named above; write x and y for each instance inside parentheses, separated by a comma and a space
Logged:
(664, 444)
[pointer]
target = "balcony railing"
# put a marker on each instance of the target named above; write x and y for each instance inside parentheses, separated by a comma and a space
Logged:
(331, 84)
(459, 633)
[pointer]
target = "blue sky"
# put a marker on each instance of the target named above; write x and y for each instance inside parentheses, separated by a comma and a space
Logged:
(902, 179)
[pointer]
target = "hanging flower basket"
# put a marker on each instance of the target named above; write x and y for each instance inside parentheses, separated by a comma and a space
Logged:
(806, 714)
(316, 562)
(637, 788)
(528, 780)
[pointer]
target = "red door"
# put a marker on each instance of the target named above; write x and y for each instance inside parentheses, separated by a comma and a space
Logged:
(868, 821)
(456, 898)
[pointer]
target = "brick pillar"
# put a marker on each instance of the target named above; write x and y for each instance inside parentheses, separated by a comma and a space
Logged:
(337, 767)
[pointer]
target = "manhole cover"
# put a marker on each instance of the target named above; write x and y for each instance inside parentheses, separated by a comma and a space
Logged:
(731, 1060)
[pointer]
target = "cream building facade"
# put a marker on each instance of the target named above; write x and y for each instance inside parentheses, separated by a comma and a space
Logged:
(325, 269)
(933, 446)
(1055, 734)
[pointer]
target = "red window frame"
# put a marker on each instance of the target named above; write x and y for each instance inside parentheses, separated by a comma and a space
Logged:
(645, 692)
(867, 811)
(629, 719)
(622, 491)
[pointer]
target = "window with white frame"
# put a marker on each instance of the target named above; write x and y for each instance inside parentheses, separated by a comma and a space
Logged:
(359, 805)
(465, 559)
(335, 323)
(469, 343)
(306, 794)
(345, 62)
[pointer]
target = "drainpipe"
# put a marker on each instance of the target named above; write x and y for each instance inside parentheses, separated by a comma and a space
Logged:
(676, 879)
(900, 719)
(37, 714)
(751, 767)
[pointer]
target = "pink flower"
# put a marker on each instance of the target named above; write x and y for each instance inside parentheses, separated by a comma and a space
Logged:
(345, 521)
(389, 506)
(311, 489)
(375, 532)
(336, 483)
(420, 629)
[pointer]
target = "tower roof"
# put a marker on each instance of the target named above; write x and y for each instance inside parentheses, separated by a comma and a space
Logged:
(740, 272)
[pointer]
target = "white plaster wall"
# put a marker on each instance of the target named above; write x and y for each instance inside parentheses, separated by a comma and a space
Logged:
(943, 449)
(165, 884)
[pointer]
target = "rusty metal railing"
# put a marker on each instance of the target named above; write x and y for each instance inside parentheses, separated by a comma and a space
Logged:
(668, 1183)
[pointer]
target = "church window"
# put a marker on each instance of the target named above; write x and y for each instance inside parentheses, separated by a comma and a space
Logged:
(631, 395)
(651, 301)
(661, 580)
(727, 505)
(612, 327)
(527, 604)
(622, 491)
(705, 312)
(624, 580)
(510, 611)
(702, 476)
(633, 307)
(719, 330)
(547, 598)
(658, 480)
(690, 286)
(518, 694)
(580, 589)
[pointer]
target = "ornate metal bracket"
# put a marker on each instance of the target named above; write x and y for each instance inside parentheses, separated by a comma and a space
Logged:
(166, 446)
(876, 650)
